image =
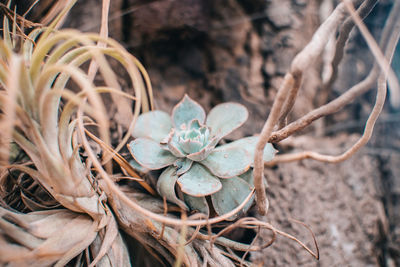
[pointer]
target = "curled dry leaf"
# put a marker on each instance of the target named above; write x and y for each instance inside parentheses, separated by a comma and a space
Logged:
(44, 238)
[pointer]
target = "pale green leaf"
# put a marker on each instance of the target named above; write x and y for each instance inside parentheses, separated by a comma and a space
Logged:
(229, 162)
(197, 204)
(198, 181)
(154, 124)
(182, 165)
(249, 144)
(226, 117)
(234, 191)
(166, 186)
(186, 111)
(150, 154)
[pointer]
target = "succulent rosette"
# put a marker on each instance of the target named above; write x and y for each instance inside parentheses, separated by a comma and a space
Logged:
(185, 144)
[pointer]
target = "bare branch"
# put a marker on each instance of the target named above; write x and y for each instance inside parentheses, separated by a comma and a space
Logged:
(380, 101)
(351, 94)
(265, 133)
(383, 63)
(345, 30)
(309, 54)
(331, 107)
(392, 25)
(287, 93)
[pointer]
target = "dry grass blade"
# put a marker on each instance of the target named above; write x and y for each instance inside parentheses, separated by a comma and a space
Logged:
(122, 162)
(56, 8)
(51, 237)
(7, 120)
(93, 67)
(58, 166)
(117, 255)
(18, 19)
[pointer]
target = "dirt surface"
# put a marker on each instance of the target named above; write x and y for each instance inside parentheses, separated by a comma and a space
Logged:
(339, 202)
(218, 51)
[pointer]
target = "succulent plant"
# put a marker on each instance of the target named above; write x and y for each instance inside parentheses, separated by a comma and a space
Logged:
(186, 145)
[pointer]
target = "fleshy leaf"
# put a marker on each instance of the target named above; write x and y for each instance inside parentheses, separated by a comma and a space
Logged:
(249, 144)
(248, 177)
(137, 166)
(190, 146)
(234, 191)
(198, 182)
(197, 203)
(166, 186)
(205, 151)
(150, 154)
(173, 145)
(186, 111)
(154, 124)
(182, 165)
(228, 162)
(194, 124)
(226, 117)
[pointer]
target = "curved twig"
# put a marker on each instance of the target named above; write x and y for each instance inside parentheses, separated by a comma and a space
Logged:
(287, 93)
(376, 51)
(265, 133)
(332, 107)
(363, 11)
(337, 104)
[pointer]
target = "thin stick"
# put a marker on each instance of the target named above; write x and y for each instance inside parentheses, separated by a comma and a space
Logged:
(122, 162)
(345, 30)
(312, 234)
(264, 136)
(380, 99)
(308, 56)
(287, 93)
(252, 222)
(382, 61)
(290, 100)
(251, 244)
(30, 8)
(332, 107)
